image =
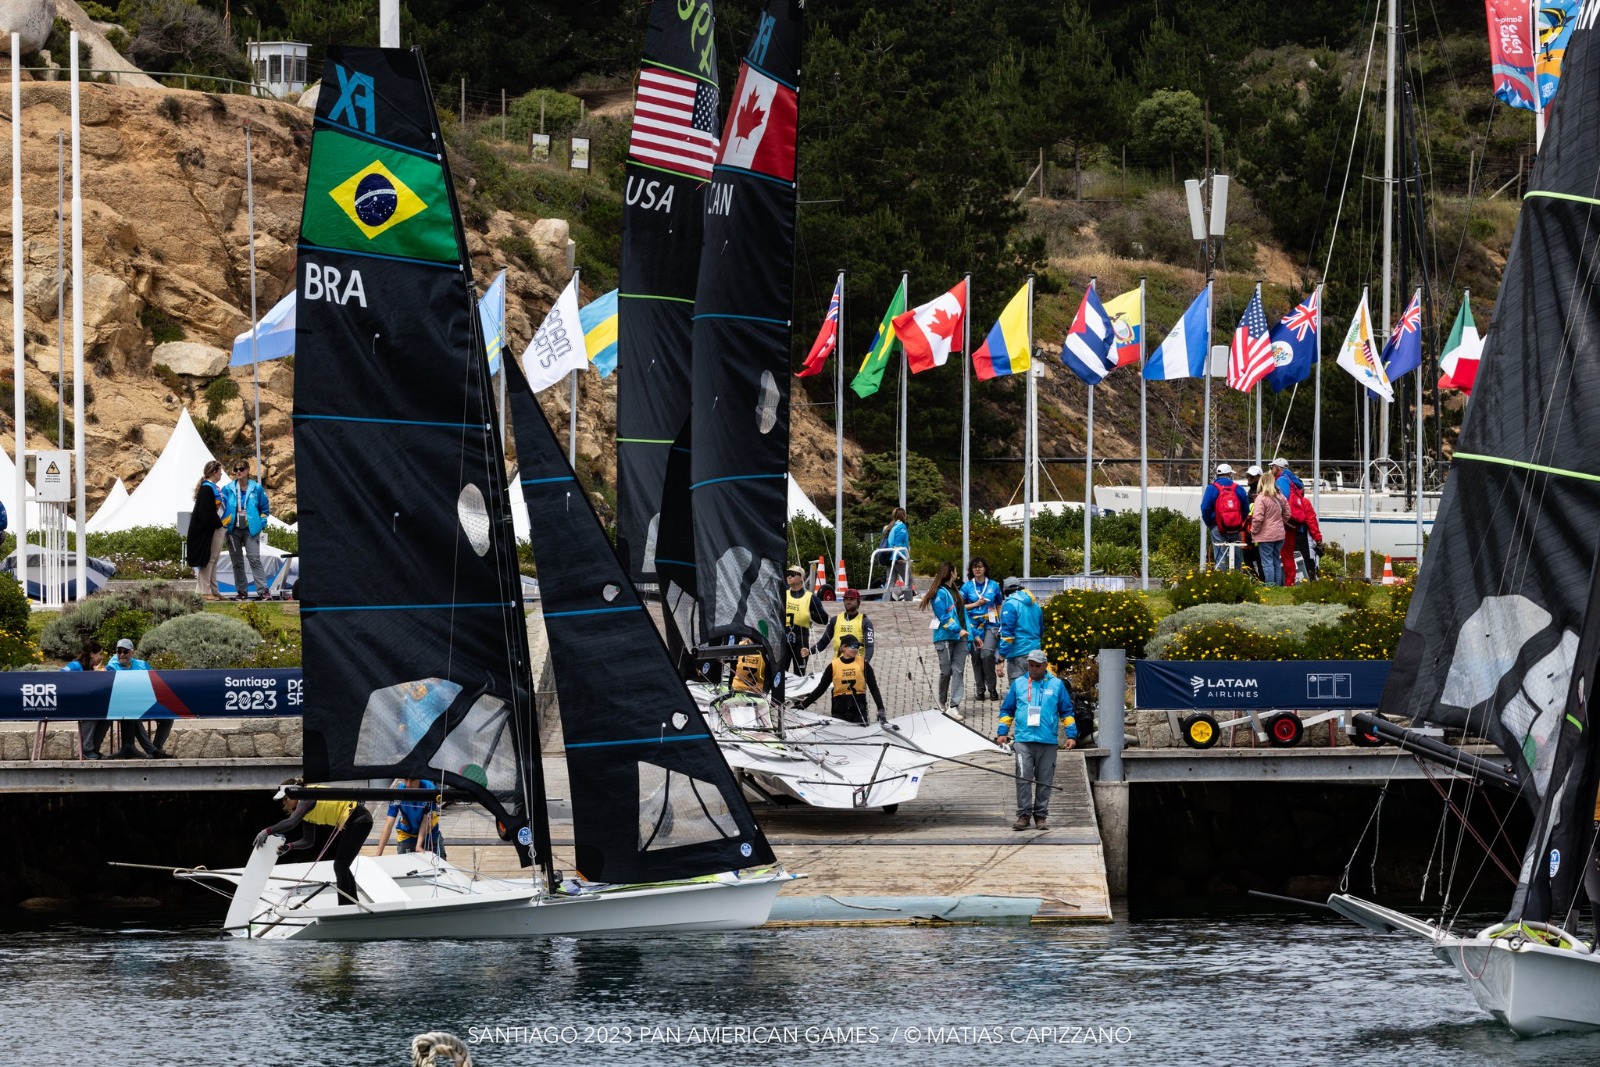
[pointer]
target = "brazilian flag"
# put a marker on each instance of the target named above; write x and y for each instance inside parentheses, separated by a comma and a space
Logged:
(368, 199)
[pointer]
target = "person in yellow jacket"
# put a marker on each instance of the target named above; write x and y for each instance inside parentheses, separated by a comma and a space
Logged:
(849, 678)
(339, 826)
(801, 609)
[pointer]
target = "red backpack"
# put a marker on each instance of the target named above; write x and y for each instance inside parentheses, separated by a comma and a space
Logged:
(1229, 515)
(1300, 509)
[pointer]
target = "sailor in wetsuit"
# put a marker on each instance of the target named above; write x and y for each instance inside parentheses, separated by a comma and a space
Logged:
(800, 610)
(341, 824)
(849, 678)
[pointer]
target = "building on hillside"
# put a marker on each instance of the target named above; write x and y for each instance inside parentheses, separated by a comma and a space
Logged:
(280, 67)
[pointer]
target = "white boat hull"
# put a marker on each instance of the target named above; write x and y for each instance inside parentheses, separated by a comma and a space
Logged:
(1531, 987)
(828, 763)
(418, 896)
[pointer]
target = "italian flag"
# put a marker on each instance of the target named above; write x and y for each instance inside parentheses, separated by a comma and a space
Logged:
(1459, 362)
(930, 332)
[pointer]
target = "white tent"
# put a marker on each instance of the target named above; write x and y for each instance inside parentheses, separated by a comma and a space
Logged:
(108, 507)
(800, 504)
(167, 489)
(8, 490)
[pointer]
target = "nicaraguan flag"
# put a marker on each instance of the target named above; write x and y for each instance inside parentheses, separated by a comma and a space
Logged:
(1294, 343)
(1183, 353)
(1090, 348)
(492, 317)
(274, 335)
(599, 320)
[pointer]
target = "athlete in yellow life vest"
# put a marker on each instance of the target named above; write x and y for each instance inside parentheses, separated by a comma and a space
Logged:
(849, 678)
(749, 672)
(339, 827)
(800, 610)
(851, 622)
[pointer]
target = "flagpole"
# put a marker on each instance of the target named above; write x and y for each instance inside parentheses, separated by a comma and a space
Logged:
(572, 415)
(905, 373)
(19, 398)
(1144, 456)
(1030, 432)
(1257, 390)
(1316, 417)
(1366, 474)
(838, 431)
(966, 427)
(1088, 465)
(1205, 432)
(255, 327)
(1421, 363)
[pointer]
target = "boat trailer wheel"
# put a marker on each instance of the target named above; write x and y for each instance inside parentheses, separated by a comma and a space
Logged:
(1200, 730)
(1285, 730)
(1364, 739)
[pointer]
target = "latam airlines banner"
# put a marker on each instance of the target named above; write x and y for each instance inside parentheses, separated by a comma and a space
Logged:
(1246, 685)
(232, 694)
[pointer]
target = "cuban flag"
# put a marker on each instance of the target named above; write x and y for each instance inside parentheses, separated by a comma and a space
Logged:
(1294, 343)
(1183, 353)
(1403, 353)
(1090, 348)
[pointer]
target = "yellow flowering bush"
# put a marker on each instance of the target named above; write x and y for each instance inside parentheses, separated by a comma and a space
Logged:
(1211, 586)
(1080, 622)
(1224, 640)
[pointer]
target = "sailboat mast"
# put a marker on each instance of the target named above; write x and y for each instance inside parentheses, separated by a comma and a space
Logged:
(966, 427)
(1388, 218)
(905, 373)
(838, 432)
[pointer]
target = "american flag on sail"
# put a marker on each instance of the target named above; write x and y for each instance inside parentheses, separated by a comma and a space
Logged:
(1250, 355)
(674, 122)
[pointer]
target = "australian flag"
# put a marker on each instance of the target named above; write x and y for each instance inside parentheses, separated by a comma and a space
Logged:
(1403, 353)
(1294, 344)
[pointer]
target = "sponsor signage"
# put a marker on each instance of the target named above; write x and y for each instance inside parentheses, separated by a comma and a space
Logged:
(231, 694)
(1246, 685)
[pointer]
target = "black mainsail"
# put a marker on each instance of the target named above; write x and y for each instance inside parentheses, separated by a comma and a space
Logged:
(652, 798)
(416, 660)
(742, 323)
(1496, 641)
(670, 156)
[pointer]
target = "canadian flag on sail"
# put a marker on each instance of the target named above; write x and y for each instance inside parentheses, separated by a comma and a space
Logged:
(760, 134)
(930, 332)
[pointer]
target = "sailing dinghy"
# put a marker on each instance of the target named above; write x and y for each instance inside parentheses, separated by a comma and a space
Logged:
(1501, 640)
(420, 668)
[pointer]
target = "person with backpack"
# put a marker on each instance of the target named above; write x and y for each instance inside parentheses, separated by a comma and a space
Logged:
(1301, 529)
(1223, 508)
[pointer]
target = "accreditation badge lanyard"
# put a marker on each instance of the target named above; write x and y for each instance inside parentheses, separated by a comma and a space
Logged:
(1034, 716)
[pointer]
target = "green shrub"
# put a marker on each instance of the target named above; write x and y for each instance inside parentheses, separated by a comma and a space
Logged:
(281, 648)
(17, 650)
(1080, 622)
(203, 642)
(1400, 598)
(128, 622)
(1295, 621)
(561, 113)
(14, 608)
(218, 393)
(1212, 586)
(1330, 591)
(1360, 635)
(155, 602)
(284, 540)
(1229, 641)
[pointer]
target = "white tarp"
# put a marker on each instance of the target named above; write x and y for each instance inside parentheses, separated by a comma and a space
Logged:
(274, 336)
(800, 504)
(167, 489)
(8, 494)
(108, 507)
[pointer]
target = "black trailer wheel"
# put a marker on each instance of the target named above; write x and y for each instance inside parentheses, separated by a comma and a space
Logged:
(890, 809)
(1285, 730)
(1364, 738)
(1200, 730)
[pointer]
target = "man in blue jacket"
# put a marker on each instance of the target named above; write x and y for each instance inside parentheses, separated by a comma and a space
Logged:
(1035, 709)
(244, 516)
(1225, 509)
(1021, 623)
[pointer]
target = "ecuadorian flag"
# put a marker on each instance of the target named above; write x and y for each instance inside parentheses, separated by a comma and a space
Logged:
(1005, 350)
(599, 321)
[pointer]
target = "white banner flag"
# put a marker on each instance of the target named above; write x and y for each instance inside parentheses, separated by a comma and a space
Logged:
(557, 349)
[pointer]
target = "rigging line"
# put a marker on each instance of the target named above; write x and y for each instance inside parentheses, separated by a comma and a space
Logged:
(1473, 830)
(1355, 135)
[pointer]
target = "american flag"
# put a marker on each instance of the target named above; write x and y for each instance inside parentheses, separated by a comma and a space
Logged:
(1250, 355)
(674, 123)
(1303, 319)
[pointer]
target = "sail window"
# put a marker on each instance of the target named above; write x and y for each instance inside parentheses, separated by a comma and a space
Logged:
(767, 405)
(398, 717)
(1488, 647)
(473, 514)
(676, 809)
(610, 591)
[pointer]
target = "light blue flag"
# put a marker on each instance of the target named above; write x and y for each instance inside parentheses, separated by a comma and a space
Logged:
(1183, 353)
(274, 335)
(492, 316)
(599, 321)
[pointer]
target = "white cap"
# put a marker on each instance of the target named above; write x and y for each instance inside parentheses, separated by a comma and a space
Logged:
(1223, 468)
(125, 643)
(282, 792)
(1254, 471)
(1281, 463)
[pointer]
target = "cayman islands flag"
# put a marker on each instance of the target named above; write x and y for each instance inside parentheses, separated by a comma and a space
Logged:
(1294, 343)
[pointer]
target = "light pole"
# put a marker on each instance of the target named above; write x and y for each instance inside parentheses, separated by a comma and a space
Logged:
(1209, 240)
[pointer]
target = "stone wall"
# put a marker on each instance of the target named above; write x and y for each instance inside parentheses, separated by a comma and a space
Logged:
(191, 739)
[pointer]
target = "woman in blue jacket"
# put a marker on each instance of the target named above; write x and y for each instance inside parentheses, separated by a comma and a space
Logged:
(949, 637)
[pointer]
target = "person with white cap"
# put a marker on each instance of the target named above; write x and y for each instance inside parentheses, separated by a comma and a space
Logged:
(339, 827)
(1301, 529)
(801, 608)
(1036, 710)
(1223, 508)
(154, 748)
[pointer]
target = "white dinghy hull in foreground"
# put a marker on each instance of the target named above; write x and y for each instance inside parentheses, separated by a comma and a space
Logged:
(1532, 987)
(418, 896)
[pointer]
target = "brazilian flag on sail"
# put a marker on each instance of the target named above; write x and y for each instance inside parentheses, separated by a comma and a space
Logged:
(373, 200)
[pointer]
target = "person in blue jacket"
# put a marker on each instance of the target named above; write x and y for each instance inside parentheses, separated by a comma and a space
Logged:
(1226, 517)
(897, 539)
(93, 731)
(244, 516)
(1036, 709)
(155, 748)
(1021, 623)
(981, 597)
(950, 635)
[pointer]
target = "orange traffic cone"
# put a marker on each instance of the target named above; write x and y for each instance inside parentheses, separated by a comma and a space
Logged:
(842, 583)
(822, 576)
(1388, 571)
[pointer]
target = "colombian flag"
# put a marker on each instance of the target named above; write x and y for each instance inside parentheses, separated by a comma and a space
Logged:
(1005, 350)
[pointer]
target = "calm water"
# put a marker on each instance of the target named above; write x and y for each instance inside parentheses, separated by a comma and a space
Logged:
(1217, 990)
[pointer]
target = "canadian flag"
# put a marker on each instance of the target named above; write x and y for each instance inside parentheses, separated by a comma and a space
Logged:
(761, 130)
(932, 331)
